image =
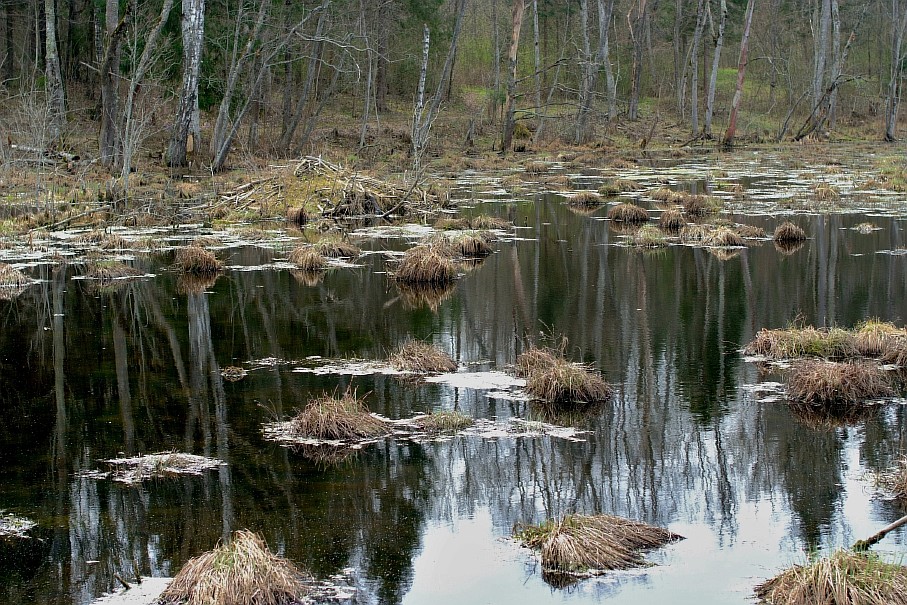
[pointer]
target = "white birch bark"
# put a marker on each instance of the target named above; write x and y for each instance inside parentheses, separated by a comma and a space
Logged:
(694, 65)
(898, 25)
(56, 99)
(519, 7)
(186, 120)
(713, 78)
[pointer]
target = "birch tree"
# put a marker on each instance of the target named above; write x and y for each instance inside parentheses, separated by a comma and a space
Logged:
(186, 121)
(115, 28)
(897, 24)
(713, 77)
(741, 74)
(519, 6)
(53, 78)
(637, 19)
(592, 69)
(694, 65)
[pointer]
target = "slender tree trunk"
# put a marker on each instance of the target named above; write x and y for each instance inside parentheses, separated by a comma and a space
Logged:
(822, 27)
(713, 78)
(836, 62)
(538, 62)
(56, 99)
(636, 19)
(898, 24)
(367, 101)
(185, 122)
(519, 6)
(741, 74)
(679, 64)
(381, 83)
(6, 57)
(588, 69)
(496, 41)
(605, 12)
(591, 77)
(110, 100)
(694, 65)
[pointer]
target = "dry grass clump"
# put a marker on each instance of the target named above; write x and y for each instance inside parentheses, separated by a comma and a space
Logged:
(425, 265)
(580, 545)
(107, 270)
(536, 168)
(827, 193)
(724, 237)
(616, 186)
(750, 231)
(195, 259)
(444, 421)
(330, 417)
(788, 232)
(418, 356)
(308, 258)
(894, 480)
(334, 246)
(628, 213)
(844, 577)
(585, 199)
(10, 276)
(451, 224)
(471, 245)
(695, 233)
(671, 221)
(833, 343)
(828, 382)
(483, 221)
(297, 216)
(874, 338)
(664, 194)
(649, 236)
(551, 377)
(701, 205)
(241, 572)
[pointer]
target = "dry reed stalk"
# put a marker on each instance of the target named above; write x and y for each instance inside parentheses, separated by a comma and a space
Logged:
(844, 577)
(582, 544)
(418, 356)
(308, 258)
(424, 265)
(344, 418)
(628, 213)
(241, 572)
(671, 221)
(829, 382)
(194, 259)
(788, 232)
(695, 233)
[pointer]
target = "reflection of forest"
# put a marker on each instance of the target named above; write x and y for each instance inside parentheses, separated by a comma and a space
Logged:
(88, 373)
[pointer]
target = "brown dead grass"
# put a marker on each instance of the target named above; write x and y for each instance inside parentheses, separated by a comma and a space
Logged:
(308, 258)
(337, 418)
(628, 213)
(894, 480)
(843, 578)
(417, 296)
(334, 246)
(749, 231)
(471, 245)
(671, 221)
(425, 265)
(444, 421)
(790, 343)
(701, 205)
(108, 270)
(724, 237)
(417, 356)
(551, 377)
(831, 417)
(241, 572)
(10, 276)
(827, 382)
(788, 232)
(483, 221)
(585, 199)
(197, 260)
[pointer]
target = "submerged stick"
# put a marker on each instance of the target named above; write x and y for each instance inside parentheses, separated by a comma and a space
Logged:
(877, 537)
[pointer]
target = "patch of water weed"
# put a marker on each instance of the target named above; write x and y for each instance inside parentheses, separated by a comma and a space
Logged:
(136, 469)
(14, 526)
(12, 282)
(421, 357)
(844, 576)
(724, 237)
(110, 270)
(196, 283)
(242, 571)
(581, 546)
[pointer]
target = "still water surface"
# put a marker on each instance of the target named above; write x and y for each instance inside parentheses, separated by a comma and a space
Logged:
(87, 375)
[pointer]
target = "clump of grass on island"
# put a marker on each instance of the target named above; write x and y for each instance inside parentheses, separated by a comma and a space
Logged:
(788, 232)
(308, 258)
(844, 577)
(535, 168)
(343, 418)
(671, 221)
(701, 205)
(820, 382)
(471, 245)
(483, 221)
(242, 571)
(297, 216)
(585, 199)
(444, 421)
(831, 343)
(108, 270)
(10, 276)
(664, 194)
(615, 187)
(448, 223)
(649, 236)
(827, 193)
(724, 237)
(582, 545)
(417, 356)
(424, 265)
(334, 246)
(628, 213)
(551, 377)
(197, 260)
(894, 480)
(749, 231)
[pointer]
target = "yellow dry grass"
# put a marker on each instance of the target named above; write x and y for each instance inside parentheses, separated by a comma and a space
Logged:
(418, 356)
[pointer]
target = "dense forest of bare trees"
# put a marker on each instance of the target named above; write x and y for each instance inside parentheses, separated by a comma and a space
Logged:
(208, 77)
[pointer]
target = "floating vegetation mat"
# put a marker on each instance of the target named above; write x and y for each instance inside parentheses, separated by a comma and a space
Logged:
(581, 546)
(880, 340)
(844, 577)
(14, 526)
(154, 466)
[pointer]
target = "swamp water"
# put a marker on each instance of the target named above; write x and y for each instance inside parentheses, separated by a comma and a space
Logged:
(92, 373)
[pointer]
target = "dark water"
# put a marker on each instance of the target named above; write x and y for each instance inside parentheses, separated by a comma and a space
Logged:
(89, 374)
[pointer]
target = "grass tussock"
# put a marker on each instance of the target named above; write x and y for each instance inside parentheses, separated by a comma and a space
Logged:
(425, 265)
(844, 577)
(448, 223)
(334, 246)
(701, 205)
(337, 418)
(695, 234)
(241, 572)
(585, 199)
(827, 193)
(483, 221)
(588, 544)
(671, 221)
(418, 356)
(874, 338)
(750, 231)
(108, 270)
(535, 168)
(297, 216)
(551, 377)
(649, 236)
(790, 343)
(665, 194)
(819, 382)
(788, 232)
(628, 213)
(724, 237)
(894, 480)
(444, 421)
(10, 276)
(308, 258)
(197, 260)
(471, 245)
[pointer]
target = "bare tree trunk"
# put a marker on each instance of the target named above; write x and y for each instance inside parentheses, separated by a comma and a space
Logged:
(590, 82)
(679, 63)
(741, 74)
(694, 65)
(108, 146)
(821, 32)
(538, 62)
(56, 99)
(636, 19)
(381, 83)
(898, 24)
(519, 6)
(588, 69)
(5, 43)
(185, 122)
(605, 12)
(369, 80)
(836, 62)
(497, 59)
(713, 79)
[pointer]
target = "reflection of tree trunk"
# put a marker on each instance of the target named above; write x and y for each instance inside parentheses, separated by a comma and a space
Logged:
(121, 363)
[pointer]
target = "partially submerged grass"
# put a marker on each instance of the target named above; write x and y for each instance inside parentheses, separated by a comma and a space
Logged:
(10, 276)
(108, 270)
(749, 231)
(628, 213)
(536, 168)
(695, 233)
(551, 377)
(844, 577)
(337, 418)
(417, 356)
(833, 343)
(724, 237)
(308, 258)
(894, 480)
(483, 221)
(582, 545)
(444, 421)
(425, 265)
(195, 259)
(448, 223)
(585, 199)
(701, 205)
(334, 246)
(649, 236)
(820, 382)
(827, 193)
(471, 245)
(671, 221)
(241, 572)
(665, 194)
(788, 232)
